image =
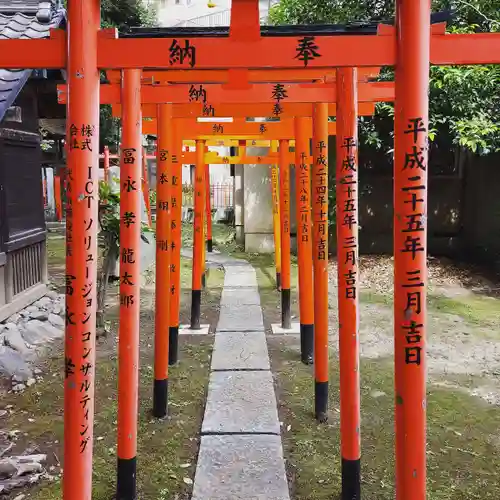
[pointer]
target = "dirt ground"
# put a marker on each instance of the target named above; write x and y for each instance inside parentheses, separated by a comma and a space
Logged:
(464, 323)
(463, 312)
(167, 450)
(463, 390)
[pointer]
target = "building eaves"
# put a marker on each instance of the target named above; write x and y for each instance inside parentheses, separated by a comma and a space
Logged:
(24, 19)
(361, 28)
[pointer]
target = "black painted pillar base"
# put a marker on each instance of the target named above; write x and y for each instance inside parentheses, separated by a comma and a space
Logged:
(160, 398)
(286, 312)
(307, 344)
(210, 247)
(321, 401)
(351, 479)
(173, 345)
(278, 281)
(195, 309)
(126, 488)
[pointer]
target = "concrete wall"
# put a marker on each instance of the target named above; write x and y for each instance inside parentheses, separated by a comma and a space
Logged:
(446, 196)
(464, 210)
(170, 13)
(239, 203)
(258, 208)
(376, 215)
(481, 221)
(197, 12)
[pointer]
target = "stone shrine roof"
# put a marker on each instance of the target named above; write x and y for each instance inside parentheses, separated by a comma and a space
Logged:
(24, 19)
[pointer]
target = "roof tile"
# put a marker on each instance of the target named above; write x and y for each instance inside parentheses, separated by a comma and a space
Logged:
(24, 19)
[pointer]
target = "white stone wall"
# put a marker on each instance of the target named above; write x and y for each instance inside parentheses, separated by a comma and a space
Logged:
(252, 187)
(197, 12)
(258, 205)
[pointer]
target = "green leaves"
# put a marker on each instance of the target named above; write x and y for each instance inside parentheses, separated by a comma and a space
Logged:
(121, 14)
(464, 101)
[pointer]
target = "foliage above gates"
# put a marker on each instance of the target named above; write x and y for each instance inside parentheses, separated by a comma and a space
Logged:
(464, 101)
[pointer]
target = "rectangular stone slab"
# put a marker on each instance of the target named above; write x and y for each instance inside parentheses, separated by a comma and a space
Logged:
(240, 468)
(240, 351)
(241, 402)
(237, 319)
(245, 278)
(237, 297)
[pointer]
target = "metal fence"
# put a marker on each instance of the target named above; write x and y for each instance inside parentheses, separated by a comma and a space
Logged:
(221, 195)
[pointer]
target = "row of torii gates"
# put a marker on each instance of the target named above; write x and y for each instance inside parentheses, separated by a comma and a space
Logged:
(294, 74)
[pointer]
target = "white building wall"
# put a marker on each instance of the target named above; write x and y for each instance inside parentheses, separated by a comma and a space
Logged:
(197, 12)
(252, 188)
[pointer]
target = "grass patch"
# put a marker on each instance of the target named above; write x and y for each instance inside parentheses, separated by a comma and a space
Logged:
(162, 446)
(375, 298)
(463, 446)
(214, 275)
(223, 236)
(56, 250)
(474, 309)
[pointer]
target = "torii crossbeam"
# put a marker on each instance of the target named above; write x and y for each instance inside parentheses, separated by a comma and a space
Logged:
(411, 45)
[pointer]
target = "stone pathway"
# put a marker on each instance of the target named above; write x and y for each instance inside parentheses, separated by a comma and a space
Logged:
(241, 457)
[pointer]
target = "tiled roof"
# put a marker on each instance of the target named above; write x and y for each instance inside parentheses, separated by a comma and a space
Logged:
(359, 28)
(24, 19)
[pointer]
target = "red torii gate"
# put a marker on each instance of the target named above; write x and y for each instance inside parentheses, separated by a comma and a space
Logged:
(410, 46)
(258, 93)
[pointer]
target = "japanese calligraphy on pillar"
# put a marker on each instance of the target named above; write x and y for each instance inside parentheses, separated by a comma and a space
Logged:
(81, 138)
(304, 195)
(175, 228)
(320, 200)
(348, 207)
(285, 196)
(414, 233)
(307, 50)
(274, 186)
(128, 220)
(182, 53)
(279, 93)
(163, 193)
(80, 280)
(69, 184)
(198, 214)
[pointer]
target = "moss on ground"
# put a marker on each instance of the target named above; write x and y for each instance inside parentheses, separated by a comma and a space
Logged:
(164, 448)
(167, 451)
(463, 446)
(223, 237)
(476, 310)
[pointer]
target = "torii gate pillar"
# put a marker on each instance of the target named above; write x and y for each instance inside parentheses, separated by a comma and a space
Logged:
(410, 244)
(81, 246)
